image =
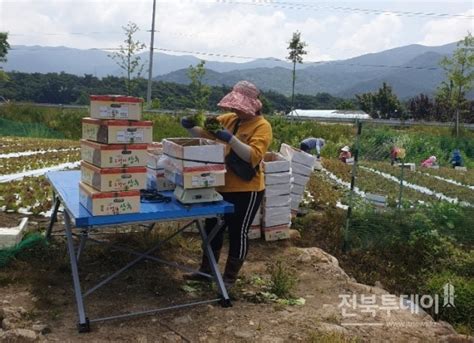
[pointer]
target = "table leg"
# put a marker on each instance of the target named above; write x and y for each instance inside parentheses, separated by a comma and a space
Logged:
(225, 302)
(83, 325)
(54, 216)
(82, 243)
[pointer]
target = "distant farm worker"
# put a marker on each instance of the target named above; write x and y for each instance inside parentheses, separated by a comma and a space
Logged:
(396, 155)
(429, 162)
(247, 135)
(345, 154)
(312, 143)
(456, 159)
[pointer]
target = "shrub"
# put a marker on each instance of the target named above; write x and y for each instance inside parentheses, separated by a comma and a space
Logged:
(283, 280)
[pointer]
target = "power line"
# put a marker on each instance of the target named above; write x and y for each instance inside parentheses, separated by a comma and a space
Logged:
(304, 6)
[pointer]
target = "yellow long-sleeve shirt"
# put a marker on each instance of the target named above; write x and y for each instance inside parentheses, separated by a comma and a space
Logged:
(256, 133)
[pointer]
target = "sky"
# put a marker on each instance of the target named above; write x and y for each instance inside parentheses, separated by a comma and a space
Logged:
(245, 28)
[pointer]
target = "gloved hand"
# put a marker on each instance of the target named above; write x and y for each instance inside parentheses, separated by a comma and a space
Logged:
(224, 135)
(187, 123)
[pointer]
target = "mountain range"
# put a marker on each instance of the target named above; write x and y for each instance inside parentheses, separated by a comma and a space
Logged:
(410, 70)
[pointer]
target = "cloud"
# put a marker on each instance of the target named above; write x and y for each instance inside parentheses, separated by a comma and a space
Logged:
(359, 36)
(444, 31)
(217, 27)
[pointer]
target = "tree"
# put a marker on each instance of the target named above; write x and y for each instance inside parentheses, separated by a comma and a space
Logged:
(460, 73)
(421, 107)
(383, 104)
(296, 47)
(127, 57)
(199, 92)
(4, 46)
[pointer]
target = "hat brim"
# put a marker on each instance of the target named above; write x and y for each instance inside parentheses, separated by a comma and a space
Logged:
(238, 101)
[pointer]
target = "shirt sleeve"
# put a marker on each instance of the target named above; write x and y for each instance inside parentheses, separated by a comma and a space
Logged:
(260, 142)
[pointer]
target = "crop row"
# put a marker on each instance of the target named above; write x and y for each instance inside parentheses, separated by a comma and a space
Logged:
(18, 144)
(369, 182)
(31, 194)
(436, 185)
(32, 162)
(464, 177)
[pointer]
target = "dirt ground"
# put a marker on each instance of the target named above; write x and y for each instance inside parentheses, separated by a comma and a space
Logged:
(39, 286)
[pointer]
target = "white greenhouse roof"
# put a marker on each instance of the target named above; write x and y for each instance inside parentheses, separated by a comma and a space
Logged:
(342, 114)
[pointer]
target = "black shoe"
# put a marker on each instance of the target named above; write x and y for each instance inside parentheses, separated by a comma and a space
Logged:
(231, 272)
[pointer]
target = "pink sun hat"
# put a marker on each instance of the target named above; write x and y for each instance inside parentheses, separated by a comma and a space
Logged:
(243, 97)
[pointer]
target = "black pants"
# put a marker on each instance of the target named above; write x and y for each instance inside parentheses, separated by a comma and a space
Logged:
(246, 205)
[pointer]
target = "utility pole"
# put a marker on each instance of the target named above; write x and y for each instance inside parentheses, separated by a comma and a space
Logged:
(150, 66)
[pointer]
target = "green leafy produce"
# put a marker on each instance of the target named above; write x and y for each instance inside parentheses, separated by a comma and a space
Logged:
(199, 118)
(212, 125)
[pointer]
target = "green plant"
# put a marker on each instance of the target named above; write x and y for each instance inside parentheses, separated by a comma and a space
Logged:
(283, 280)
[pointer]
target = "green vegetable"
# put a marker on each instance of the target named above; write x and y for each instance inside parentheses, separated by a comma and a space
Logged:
(212, 125)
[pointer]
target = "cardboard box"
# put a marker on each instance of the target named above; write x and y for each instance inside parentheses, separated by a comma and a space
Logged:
(11, 236)
(193, 155)
(108, 203)
(273, 216)
(117, 131)
(196, 179)
(276, 233)
(277, 201)
(113, 179)
(279, 189)
(274, 162)
(300, 169)
(300, 180)
(155, 179)
(296, 200)
(255, 232)
(277, 178)
(114, 156)
(463, 169)
(297, 156)
(257, 220)
(116, 107)
(298, 189)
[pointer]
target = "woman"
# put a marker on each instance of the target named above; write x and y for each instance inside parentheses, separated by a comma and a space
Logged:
(345, 154)
(429, 162)
(248, 135)
(311, 143)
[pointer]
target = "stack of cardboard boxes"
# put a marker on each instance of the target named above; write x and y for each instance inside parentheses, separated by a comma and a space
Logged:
(155, 169)
(276, 212)
(114, 155)
(302, 165)
(196, 166)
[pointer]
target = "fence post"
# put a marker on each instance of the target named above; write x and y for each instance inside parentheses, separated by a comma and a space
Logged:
(353, 177)
(400, 195)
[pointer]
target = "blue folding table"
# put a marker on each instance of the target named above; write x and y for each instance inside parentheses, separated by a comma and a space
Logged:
(66, 192)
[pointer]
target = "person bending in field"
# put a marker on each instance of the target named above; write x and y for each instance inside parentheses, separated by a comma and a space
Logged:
(311, 143)
(345, 154)
(456, 159)
(247, 135)
(429, 162)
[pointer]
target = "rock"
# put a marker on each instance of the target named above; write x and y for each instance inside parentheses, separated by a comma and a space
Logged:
(41, 328)
(443, 329)
(171, 337)
(8, 324)
(13, 312)
(271, 339)
(212, 329)
(318, 255)
(328, 327)
(295, 234)
(455, 338)
(20, 335)
(243, 334)
(182, 320)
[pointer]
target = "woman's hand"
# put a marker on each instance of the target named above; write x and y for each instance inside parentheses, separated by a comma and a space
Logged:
(187, 123)
(224, 135)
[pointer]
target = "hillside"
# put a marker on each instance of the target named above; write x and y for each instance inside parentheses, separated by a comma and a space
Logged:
(343, 78)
